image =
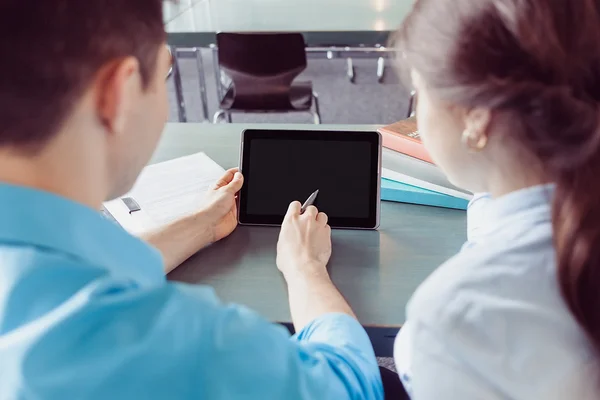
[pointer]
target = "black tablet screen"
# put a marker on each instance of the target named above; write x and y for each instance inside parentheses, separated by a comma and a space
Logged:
(283, 166)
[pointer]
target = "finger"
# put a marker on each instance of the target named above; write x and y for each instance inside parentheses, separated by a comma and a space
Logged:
(323, 218)
(293, 210)
(311, 212)
(236, 183)
(226, 178)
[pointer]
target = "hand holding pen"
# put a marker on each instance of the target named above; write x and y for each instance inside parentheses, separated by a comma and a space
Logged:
(305, 240)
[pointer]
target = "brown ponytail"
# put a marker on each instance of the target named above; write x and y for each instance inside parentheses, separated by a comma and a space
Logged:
(538, 62)
(577, 241)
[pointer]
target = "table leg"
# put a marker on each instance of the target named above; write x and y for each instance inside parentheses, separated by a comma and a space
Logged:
(217, 69)
(178, 86)
(202, 83)
(317, 112)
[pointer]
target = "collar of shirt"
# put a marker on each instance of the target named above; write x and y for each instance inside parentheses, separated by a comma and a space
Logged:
(519, 204)
(520, 201)
(32, 217)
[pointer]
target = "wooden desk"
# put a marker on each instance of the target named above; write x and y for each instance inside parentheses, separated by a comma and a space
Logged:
(377, 272)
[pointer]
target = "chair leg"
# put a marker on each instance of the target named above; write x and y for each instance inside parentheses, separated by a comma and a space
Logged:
(317, 111)
(218, 115)
(412, 104)
(350, 71)
(228, 117)
(380, 69)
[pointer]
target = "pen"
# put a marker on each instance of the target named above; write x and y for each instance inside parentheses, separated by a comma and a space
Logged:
(309, 202)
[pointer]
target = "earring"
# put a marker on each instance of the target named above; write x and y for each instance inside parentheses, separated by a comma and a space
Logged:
(474, 141)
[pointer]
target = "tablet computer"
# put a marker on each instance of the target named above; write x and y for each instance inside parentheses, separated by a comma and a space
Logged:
(281, 166)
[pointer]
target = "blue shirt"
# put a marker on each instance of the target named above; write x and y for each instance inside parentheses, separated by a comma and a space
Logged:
(86, 313)
(491, 322)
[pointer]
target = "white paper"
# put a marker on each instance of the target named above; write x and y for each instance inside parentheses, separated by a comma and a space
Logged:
(409, 180)
(167, 191)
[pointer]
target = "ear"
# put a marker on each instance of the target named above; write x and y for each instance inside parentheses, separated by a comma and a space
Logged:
(477, 121)
(118, 85)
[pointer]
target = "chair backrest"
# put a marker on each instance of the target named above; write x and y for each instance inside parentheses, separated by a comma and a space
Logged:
(262, 67)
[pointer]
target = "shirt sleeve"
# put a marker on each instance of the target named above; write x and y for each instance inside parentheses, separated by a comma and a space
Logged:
(179, 341)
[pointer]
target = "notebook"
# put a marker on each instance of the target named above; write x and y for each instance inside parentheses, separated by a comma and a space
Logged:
(403, 137)
(403, 193)
(165, 192)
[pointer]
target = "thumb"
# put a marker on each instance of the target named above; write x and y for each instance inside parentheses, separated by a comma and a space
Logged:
(236, 183)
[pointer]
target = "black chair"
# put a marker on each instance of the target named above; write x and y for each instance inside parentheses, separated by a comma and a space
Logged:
(262, 68)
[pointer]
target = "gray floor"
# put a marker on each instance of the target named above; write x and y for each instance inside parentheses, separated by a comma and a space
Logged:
(364, 102)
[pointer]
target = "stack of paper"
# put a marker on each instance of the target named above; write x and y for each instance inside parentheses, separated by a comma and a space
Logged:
(165, 192)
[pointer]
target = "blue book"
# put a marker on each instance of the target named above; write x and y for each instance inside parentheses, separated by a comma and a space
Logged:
(403, 193)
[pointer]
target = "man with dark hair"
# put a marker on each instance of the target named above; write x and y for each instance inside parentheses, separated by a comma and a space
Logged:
(85, 310)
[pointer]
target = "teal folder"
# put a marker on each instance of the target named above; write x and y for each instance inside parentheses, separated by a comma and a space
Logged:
(402, 193)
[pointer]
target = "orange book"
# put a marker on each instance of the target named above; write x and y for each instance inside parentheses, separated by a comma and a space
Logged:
(403, 137)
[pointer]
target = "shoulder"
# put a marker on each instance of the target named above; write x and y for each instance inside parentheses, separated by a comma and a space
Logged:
(497, 316)
(480, 280)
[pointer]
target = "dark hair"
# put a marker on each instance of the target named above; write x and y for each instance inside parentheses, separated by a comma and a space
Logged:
(52, 49)
(538, 63)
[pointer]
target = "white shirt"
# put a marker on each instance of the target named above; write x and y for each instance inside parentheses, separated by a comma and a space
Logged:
(491, 322)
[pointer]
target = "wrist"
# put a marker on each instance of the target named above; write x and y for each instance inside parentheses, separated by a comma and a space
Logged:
(309, 272)
(204, 223)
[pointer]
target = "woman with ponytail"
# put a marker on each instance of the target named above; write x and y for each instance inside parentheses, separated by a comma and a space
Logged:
(509, 104)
